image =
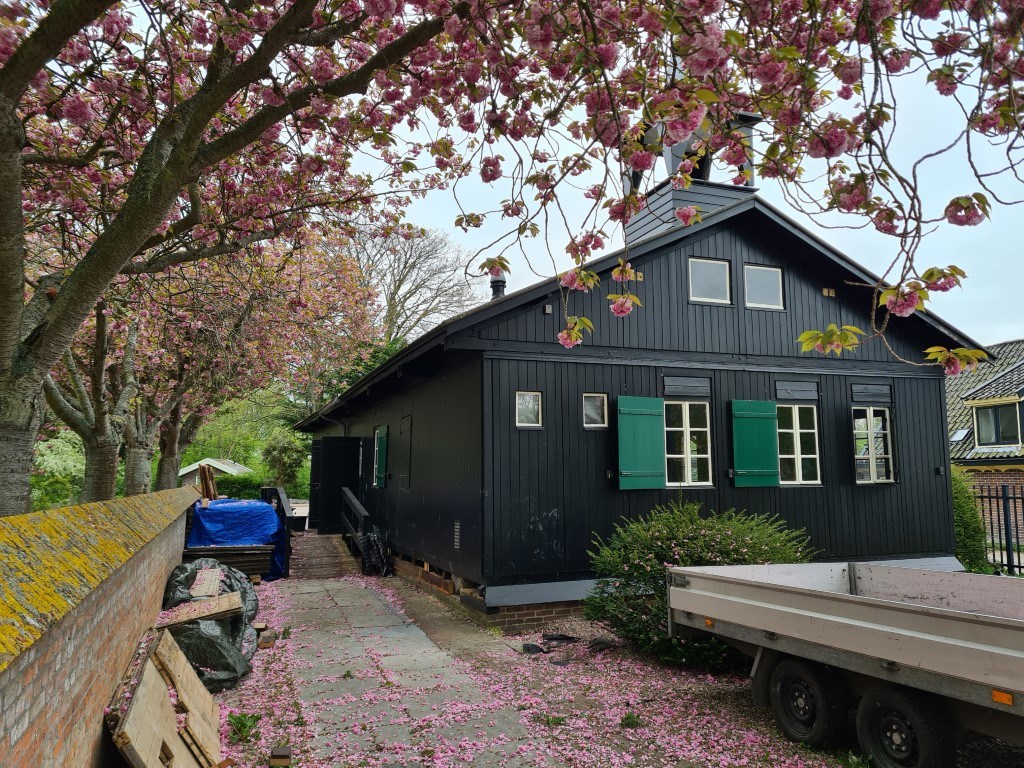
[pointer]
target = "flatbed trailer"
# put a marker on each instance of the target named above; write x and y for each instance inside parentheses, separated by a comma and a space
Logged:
(923, 654)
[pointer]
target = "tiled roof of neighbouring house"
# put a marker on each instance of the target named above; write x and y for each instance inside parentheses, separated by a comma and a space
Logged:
(997, 377)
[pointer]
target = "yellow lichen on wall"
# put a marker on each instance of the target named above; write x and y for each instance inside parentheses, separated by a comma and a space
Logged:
(50, 561)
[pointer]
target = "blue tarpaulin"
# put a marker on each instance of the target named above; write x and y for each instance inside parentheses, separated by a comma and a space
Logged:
(234, 523)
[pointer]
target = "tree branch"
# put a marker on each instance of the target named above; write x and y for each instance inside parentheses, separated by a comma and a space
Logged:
(65, 19)
(346, 85)
(65, 411)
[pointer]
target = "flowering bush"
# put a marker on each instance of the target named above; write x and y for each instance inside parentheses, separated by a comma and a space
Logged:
(630, 594)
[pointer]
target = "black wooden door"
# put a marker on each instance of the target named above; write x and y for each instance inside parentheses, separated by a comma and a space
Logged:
(338, 468)
(314, 484)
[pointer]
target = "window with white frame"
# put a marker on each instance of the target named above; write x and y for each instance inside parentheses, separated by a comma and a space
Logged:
(762, 287)
(872, 445)
(528, 409)
(799, 458)
(709, 281)
(595, 410)
(687, 444)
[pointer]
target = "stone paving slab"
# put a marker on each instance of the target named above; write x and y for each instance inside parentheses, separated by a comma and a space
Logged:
(374, 683)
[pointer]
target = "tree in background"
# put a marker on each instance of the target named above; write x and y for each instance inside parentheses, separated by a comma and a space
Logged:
(93, 394)
(138, 137)
(58, 470)
(284, 454)
(420, 280)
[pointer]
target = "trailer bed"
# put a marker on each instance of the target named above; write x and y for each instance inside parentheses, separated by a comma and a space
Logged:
(956, 634)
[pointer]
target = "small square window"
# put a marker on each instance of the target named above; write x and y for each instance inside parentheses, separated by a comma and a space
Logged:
(763, 287)
(528, 407)
(709, 281)
(595, 411)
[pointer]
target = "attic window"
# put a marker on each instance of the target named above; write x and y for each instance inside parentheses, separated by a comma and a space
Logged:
(997, 425)
(763, 287)
(709, 281)
(959, 435)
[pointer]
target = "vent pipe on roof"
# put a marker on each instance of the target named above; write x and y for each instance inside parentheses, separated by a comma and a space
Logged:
(497, 286)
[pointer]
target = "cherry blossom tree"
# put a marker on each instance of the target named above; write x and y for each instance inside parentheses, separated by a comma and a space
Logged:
(136, 137)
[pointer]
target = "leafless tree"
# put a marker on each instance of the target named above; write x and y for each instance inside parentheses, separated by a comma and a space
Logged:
(420, 279)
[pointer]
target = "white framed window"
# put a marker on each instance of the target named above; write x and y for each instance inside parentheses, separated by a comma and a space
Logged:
(687, 443)
(799, 456)
(709, 281)
(872, 445)
(595, 410)
(762, 287)
(528, 409)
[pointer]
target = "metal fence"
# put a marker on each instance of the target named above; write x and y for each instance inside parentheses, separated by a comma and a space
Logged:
(1002, 511)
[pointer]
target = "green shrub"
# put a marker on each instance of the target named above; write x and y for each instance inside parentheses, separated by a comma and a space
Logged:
(630, 595)
(967, 522)
(245, 486)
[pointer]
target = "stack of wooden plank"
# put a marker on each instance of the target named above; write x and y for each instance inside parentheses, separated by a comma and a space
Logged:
(161, 715)
(251, 560)
(207, 482)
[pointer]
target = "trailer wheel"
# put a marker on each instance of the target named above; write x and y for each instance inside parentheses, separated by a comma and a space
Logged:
(809, 702)
(900, 728)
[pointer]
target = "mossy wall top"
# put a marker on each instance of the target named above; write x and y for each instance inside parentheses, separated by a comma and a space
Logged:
(50, 561)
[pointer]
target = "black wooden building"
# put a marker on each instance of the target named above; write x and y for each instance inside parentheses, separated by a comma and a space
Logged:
(489, 451)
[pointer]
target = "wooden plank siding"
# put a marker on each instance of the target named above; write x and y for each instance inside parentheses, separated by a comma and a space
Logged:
(434, 467)
(549, 489)
(669, 321)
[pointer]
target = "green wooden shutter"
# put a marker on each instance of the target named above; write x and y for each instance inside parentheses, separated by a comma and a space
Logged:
(641, 442)
(755, 443)
(382, 457)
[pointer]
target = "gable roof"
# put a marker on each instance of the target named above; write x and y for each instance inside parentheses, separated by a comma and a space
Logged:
(999, 376)
(641, 247)
(1005, 384)
(224, 465)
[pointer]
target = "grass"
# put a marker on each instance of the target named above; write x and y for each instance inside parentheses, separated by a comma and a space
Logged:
(242, 727)
(631, 720)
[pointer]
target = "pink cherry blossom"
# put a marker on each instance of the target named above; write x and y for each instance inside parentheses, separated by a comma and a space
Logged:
(686, 215)
(622, 306)
(903, 303)
(568, 339)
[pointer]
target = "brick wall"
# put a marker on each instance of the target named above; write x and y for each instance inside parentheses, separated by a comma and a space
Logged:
(510, 618)
(80, 585)
(988, 488)
(522, 618)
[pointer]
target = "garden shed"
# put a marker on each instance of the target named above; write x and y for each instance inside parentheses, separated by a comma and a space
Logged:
(487, 451)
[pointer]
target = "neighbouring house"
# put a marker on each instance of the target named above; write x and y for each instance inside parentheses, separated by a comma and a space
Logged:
(984, 414)
(190, 475)
(491, 456)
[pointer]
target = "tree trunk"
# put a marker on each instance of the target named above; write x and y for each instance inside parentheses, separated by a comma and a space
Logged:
(167, 471)
(170, 452)
(101, 457)
(20, 416)
(138, 469)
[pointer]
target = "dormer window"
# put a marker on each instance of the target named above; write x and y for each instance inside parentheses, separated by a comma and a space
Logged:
(997, 424)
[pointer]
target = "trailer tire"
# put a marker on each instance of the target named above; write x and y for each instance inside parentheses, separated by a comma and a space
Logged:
(900, 728)
(809, 702)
